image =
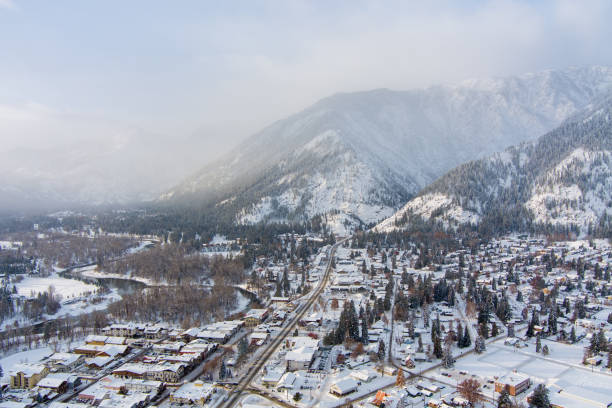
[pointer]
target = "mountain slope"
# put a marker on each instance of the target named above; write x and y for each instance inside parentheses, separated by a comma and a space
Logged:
(562, 182)
(364, 154)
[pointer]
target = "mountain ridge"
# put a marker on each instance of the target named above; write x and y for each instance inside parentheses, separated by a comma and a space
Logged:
(561, 181)
(395, 142)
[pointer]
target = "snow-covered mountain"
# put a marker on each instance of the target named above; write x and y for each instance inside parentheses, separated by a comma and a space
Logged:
(562, 182)
(361, 155)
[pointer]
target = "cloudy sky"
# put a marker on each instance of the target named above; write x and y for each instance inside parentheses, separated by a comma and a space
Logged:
(222, 70)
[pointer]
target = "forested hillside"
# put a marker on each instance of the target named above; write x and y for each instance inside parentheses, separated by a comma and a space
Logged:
(560, 183)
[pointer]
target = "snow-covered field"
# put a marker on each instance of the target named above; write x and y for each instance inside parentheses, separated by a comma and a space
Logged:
(561, 371)
(29, 356)
(66, 288)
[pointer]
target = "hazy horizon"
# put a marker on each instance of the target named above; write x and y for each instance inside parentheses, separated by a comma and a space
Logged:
(188, 83)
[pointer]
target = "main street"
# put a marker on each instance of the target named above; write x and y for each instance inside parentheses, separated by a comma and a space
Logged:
(245, 382)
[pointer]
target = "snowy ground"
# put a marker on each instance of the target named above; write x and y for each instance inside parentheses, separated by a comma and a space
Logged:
(29, 356)
(561, 371)
(66, 288)
(242, 302)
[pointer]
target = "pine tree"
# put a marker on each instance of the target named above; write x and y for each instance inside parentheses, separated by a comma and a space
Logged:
(552, 321)
(530, 329)
(459, 335)
(448, 361)
(602, 342)
(573, 335)
(494, 330)
(278, 292)
(437, 346)
(353, 322)
(594, 344)
(364, 331)
(381, 350)
(504, 400)
(483, 315)
(539, 398)
(467, 340)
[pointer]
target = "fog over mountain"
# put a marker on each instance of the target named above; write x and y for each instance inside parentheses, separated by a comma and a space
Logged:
(363, 154)
(117, 103)
(86, 161)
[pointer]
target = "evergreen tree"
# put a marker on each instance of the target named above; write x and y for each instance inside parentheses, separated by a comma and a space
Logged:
(494, 330)
(286, 285)
(364, 331)
(381, 350)
(531, 327)
(437, 346)
(602, 342)
(504, 400)
(353, 322)
(573, 335)
(483, 315)
(539, 398)
(594, 344)
(552, 321)
(278, 292)
(404, 279)
(448, 361)
(467, 341)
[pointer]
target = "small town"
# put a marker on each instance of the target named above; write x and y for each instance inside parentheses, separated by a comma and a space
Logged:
(358, 324)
